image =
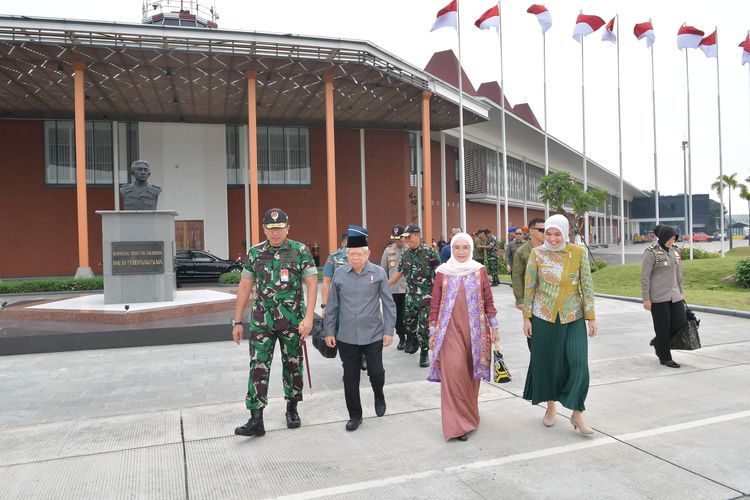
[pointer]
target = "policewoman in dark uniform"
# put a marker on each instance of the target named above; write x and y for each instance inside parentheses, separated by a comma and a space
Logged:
(662, 292)
(277, 267)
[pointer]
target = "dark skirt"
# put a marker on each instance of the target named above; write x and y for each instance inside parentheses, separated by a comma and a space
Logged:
(558, 369)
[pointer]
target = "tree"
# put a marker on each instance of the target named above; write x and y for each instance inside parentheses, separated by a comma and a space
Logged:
(729, 181)
(745, 195)
(559, 190)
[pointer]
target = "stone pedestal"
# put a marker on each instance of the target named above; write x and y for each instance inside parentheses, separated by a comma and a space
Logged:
(138, 251)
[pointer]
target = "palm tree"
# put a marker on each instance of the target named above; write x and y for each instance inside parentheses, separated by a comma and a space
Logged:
(745, 195)
(729, 181)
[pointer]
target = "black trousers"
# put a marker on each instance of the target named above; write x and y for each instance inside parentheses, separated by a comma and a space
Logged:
(400, 300)
(668, 318)
(351, 357)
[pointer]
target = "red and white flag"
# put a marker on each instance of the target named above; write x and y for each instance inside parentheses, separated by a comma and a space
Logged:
(708, 45)
(689, 37)
(542, 15)
(645, 30)
(489, 20)
(585, 25)
(746, 50)
(608, 35)
(447, 17)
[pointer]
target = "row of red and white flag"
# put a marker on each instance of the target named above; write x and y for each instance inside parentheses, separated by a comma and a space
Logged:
(688, 37)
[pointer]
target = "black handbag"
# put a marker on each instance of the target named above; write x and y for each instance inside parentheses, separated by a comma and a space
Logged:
(318, 339)
(501, 371)
(687, 338)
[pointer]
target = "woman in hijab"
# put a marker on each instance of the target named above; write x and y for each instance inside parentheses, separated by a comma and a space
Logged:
(661, 290)
(462, 323)
(558, 297)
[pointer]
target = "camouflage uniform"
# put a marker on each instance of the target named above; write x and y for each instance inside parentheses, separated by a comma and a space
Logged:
(418, 266)
(277, 311)
(492, 258)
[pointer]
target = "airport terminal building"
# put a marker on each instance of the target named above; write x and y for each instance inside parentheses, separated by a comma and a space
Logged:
(232, 123)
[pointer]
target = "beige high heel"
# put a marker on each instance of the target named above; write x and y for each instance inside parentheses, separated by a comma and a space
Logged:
(549, 422)
(586, 431)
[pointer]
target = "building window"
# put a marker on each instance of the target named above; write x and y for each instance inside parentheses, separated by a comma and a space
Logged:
(283, 156)
(59, 147)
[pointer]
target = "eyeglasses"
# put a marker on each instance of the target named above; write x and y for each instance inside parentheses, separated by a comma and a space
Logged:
(519, 234)
(540, 229)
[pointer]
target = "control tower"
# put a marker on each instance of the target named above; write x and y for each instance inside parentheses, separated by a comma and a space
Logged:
(190, 13)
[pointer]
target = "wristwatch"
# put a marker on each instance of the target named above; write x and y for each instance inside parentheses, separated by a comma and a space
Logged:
(235, 322)
(322, 306)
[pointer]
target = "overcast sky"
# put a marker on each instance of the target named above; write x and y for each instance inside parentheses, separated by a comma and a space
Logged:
(402, 28)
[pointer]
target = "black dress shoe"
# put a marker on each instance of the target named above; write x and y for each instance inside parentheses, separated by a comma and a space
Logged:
(401, 342)
(380, 406)
(463, 438)
(670, 364)
(353, 423)
(653, 341)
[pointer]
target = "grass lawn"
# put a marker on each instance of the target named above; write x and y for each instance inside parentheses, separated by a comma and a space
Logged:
(702, 280)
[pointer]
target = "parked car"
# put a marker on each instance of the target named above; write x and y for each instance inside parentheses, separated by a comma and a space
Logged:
(717, 237)
(698, 237)
(193, 265)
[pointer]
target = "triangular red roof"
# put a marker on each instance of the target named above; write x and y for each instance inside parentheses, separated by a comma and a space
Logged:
(491, 90)
(444, 65)
(524, 112)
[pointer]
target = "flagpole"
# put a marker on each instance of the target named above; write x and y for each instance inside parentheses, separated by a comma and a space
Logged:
(546, 134)
(690, 157)
(502, 123)
(619, 145)
(583, 128)
(721, 166)
(461, 164)
(653, 110)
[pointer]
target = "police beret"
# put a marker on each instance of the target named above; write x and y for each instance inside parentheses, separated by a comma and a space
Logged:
(274, 218)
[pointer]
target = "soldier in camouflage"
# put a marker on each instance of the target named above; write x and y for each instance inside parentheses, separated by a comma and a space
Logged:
(492, 256)
(418, 264)
(277, 267)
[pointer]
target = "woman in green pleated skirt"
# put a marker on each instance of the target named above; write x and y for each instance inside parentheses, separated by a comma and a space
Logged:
(558, 300)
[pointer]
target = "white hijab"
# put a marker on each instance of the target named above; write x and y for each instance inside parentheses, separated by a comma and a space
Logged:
(559, 222)
(456, 268)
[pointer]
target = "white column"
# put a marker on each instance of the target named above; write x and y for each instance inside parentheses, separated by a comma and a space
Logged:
(362, 174)
(443, 202)
(418, 145)
(116, 163)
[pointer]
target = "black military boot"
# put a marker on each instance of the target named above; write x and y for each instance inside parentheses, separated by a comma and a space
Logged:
(254, 426)
(412, 345)
(401, 341)
(292, 417)
(424, 358)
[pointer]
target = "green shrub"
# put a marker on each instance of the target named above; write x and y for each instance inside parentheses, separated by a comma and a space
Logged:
(598, 264)
(52, 285)
(230, 278)
(698, 254)
(742, 273)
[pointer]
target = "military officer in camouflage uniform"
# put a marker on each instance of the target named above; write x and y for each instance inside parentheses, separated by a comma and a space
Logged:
(277, 267)
(492, 256)
(418, 264)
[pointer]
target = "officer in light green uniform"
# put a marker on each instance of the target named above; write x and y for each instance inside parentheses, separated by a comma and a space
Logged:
(277, 267)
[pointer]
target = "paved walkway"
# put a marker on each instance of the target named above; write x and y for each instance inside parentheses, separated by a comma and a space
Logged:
(158, 422)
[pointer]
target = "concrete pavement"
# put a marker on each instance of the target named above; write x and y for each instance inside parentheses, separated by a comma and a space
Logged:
(157, 422)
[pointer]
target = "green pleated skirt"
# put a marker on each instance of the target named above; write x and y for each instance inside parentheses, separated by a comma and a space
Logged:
(559, 367)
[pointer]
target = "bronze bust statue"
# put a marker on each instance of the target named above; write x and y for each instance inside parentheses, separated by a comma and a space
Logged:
(140, 195)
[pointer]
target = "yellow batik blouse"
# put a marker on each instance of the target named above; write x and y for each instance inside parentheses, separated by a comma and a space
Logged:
(558, 284)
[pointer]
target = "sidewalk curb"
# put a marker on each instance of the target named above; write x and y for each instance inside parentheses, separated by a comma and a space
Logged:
(706, 309)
